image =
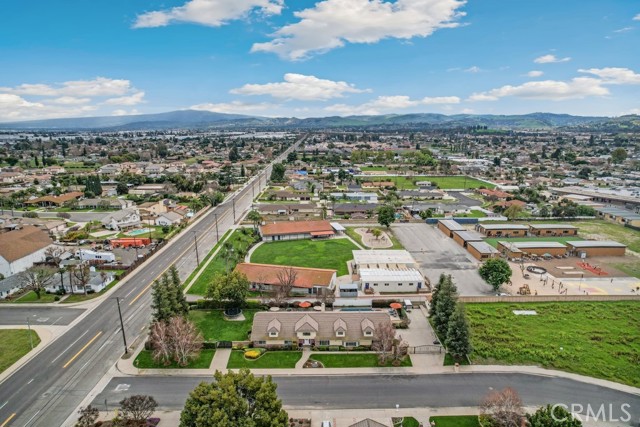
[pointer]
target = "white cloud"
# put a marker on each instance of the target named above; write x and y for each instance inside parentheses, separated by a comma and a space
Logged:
(212, 13)
(535, 73)
(100, 86)
(14, 108)
(550, 59)
(134, 99)
(473, 69)
(637, 17)
(623, 30)
(70, 100)
(332, 23)
(385, 104)
(577, 88)
(300, 87)
(614, 75)
(122, 112)
(234, 107)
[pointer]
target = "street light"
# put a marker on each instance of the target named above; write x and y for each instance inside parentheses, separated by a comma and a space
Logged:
(195, 240)
(124, 337)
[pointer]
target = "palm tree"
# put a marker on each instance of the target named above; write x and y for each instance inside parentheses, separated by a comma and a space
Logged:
(255, 217)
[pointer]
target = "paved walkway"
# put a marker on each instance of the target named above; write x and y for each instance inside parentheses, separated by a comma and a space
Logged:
(220, 360)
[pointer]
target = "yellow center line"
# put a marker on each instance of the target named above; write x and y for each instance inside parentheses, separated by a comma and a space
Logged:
(8, 419)
(75, 356)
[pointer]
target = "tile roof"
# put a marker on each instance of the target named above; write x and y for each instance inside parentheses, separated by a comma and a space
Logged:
(295, 227)
(268, 274)
(18, 244)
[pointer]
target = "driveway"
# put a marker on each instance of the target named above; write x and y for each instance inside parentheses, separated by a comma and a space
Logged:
(436, 253)
(464, 200)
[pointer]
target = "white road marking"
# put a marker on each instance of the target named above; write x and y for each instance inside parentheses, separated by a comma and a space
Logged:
(30, 381)
(31, 419)
(4, 404)
(56, 321)
(60, 355)
(130, 292)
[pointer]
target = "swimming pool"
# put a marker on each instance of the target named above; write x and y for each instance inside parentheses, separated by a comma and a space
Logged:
(138, 231)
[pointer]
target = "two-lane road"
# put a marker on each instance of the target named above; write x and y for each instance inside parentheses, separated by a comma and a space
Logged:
(49, 387)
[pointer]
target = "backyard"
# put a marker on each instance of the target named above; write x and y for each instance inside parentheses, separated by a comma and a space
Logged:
(597, 339)
(268, 360)
(353, 360)
(14, 343)
(241, 243)
(493, 241)
(145, 361)
(331, 254)
(215, 327)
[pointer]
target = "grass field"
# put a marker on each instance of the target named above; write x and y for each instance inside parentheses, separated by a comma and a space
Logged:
(443, 182)
(268, 360)
(630, 268)
(597, 339)
(405, 422)
(14, 343)
(215, 328)
(353, 360)
(331, 254)
(240, 242)
(494, 240)
(456, 421)
(351, 232)
(31, 298)
(145, 361)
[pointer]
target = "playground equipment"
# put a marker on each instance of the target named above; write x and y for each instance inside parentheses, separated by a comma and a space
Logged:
(524, 290)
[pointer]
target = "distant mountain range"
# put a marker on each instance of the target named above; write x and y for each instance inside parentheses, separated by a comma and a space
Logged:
(192, 119)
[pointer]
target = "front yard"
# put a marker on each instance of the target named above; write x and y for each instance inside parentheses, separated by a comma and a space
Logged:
(354, 360)
(456, 421)
(268, 360)
(331, 254)
(145, 361)
(31, 298)
(214, 327)
(597, 339)
(14, 343)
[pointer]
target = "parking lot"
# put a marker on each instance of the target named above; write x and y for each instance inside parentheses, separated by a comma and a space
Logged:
(435, 253)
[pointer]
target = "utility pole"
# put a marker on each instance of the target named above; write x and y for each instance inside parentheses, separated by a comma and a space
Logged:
(124, 337)
(29, 328)
(195, 240)
(217, 232)
(233, 204)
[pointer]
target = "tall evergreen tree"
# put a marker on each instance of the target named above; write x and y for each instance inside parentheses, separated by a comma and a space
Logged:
(181, 307)
(434, 294)
(446, 305)
(160, 302)
(458, 342)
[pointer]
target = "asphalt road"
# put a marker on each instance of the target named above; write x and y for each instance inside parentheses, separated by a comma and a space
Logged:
(48, 388)
(43, 316)
(464, 200)
(436, 253)
(368, 391)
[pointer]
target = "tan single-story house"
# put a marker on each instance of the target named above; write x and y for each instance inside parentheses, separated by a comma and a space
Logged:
(316, 329)
(308, 281)
(595, 248)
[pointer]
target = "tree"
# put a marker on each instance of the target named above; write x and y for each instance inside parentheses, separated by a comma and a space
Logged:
(37, 278)
(287, 277)
(495, 272)
(122, 188)
(552, 416)
(176, 340)
(502, 409)
(376, 232)
(88, 416)
(544, 211)
(255, 217)
(135, 409)
(434, 294)
(513, 212)
(234, 400)
(457, 342)
(292, 157)
(386, 215)
(445, 306)
(229, 289)
(80, 276)
(618, 155)
(167, 298)
(233, 155)
(426, 213)
(384, 339)
(277, 172)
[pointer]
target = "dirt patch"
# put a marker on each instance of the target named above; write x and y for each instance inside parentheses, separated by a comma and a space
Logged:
(371, 241)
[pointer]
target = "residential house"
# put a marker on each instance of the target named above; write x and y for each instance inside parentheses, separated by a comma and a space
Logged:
(321, 329)
(21, 248)
(307, 281)
(147, 189)
(55, 200)
(288, 195)
(357, 197)
(153, 208)
(355, 209)
(102, 203)
(168, 219)
(295, 230)
(123, 219)
(11, 285)
(97, 282)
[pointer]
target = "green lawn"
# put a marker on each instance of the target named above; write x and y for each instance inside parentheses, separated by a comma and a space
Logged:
(351, 232)
(353, 360)
(444, 182)
(14, 343)
(405, 422)
(218, 264)
(331, 254)
(31, 297)
(215, 328)
(450, 361)
(494, 240)
(268, 360)
(631, 268)
(456, 421)
(145, 361)
(82, 297)
(598, 339)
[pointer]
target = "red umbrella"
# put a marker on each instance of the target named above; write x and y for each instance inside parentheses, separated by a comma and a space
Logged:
(395, 305)
(305, 304)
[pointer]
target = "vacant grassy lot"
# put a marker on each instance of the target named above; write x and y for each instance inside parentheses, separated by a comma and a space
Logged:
(494, 240)
(14, 343)
(214, 327)
(456, 421)
(351, 232)
(598, 339)
(145, 361)
(269, 360)
(352, 360)
(241, 243)
(443, 182)
(332, 254)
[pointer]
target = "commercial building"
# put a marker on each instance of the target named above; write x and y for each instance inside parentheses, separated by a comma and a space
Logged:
(296, 230)
(382, 258)
(305, 281)
(596, 248)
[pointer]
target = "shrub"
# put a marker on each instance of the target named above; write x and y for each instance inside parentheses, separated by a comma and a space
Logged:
(252, 354)
(56, 298)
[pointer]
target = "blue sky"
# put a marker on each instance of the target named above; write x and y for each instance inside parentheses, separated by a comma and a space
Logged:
(317, 58)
